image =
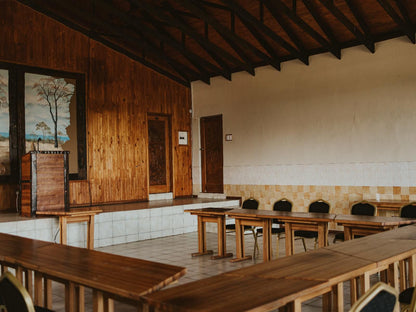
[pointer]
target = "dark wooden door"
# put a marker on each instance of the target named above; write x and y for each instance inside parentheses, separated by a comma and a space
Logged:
(159, 154)
(212, 154)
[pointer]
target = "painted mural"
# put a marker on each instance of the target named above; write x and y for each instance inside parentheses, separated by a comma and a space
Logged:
(47, 111)
(4, 123)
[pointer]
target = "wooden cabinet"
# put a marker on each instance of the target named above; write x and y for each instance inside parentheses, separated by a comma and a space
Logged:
(44, 182)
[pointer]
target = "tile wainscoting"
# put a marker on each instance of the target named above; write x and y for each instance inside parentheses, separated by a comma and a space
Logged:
(116, 227)
(340, 197)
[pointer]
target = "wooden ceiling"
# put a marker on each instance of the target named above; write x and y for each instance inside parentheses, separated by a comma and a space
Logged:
(189, 40)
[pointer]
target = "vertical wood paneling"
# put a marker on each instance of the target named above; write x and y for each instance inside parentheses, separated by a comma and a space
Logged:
(120, 93)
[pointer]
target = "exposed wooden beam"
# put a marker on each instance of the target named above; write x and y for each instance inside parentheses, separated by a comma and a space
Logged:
(288, 29)
(407, 29)
(234, 41)
(358, 16)
(217, 53)
(348, 24)
(244, 14)
(325, 28)
(305, 26)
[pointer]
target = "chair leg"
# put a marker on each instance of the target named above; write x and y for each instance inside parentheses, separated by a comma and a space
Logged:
(277, 245)
(316, 243)
(304, 244)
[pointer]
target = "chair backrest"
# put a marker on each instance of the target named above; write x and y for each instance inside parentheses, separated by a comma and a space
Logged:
(282, 204)
(14, 296)
(250, 203)
(319, 205)
(363, 208)
(408, 211)
(379, 298)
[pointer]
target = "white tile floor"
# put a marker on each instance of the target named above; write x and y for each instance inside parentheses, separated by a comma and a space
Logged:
(176, 250)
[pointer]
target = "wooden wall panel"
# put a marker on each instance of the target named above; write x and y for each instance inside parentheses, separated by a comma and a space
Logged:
(120, 93)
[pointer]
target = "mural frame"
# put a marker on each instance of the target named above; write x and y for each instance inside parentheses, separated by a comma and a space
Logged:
(17, 117)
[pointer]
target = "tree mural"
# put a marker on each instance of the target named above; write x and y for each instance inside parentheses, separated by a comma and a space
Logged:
(54, 92)
(42, 126)
(4, 103)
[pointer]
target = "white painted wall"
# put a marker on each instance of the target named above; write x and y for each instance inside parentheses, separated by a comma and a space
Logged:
(335, 122)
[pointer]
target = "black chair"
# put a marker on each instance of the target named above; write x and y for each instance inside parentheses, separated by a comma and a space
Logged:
(282, 204)
(407, 299)
(362, 208)
(14, 297)
(250, 203)
(408, 211)
(379, 298)
(320, 206)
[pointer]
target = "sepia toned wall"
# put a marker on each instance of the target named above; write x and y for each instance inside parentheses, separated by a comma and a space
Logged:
(341, 130)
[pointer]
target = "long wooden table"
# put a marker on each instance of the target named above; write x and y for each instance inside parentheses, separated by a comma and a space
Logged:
(293, 221)
(388, 205)
(291, 280)
(110, 276)
(214, 215)
(366, 225)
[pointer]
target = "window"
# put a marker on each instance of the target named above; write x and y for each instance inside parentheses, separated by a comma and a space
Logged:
(45, 111)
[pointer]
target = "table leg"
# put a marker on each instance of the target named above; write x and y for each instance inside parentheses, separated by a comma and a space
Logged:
(393, 273)
(222, 242)
(290, 242)
(47, 290)
(202, 240)
(63, 229)
(98, 301)
(412, 271)
(267, 237)
(239, 241)
(338, 297)
(90, 235)
(37, 298)
(69, 297)
(347, 233)
(322, 234)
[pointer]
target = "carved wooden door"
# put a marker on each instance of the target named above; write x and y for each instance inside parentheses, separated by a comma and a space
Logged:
(212, 154)
(159, 154)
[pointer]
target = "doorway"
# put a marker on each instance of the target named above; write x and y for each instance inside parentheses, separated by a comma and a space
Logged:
(212, 154)
(160, 175)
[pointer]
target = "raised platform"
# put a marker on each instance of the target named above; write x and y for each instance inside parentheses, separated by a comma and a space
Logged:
(118, 223)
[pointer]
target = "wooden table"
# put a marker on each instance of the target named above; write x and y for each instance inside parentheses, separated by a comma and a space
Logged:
(366, 225)
(256, 218)
(291, 280)
(308, 221)
(388, 205)
(215, 215)
(109, 275)
(73, 216)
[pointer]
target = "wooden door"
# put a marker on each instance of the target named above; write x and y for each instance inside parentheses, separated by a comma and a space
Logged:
(159, 154)
(211, 154)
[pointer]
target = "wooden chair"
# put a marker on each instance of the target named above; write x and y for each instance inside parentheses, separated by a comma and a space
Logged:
(249, 203)
(282, 204)
(362, 208)
(320, 206)
(379, 298)
(14, 297)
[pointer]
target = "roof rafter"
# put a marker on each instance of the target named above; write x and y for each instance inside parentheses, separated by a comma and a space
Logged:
(325, 27)
(306, 27)
(232, 38)
(407, 29)
(263, 28)
(217, 53)
(348, 24)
